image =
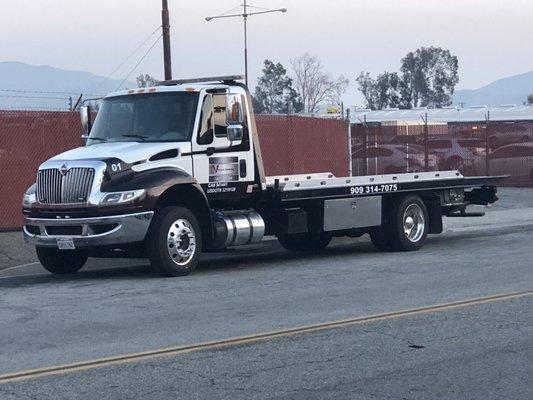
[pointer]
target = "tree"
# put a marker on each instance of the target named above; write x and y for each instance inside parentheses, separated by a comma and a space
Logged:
(337, 90)
(530, 99)
(384, 91)
(274, 92)
(428, 77)
(146, 80)
(313, 85)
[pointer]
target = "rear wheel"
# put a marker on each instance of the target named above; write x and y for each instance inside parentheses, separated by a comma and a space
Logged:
(305, 241)
(61, 261)
(174, 242)
(405, 226)
(408, 224)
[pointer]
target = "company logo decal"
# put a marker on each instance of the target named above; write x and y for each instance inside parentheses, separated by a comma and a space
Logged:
(223, 169)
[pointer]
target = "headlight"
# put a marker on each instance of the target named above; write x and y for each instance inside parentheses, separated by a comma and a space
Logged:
(29, 197)
(121, 197)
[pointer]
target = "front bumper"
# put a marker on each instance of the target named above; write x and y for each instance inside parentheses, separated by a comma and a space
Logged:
(88, 232)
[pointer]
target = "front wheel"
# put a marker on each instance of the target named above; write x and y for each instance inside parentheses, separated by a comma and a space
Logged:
(174, 242)
(305, 241)
(61, 262)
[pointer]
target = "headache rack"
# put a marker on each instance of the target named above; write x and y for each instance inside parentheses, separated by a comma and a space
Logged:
(227, 78)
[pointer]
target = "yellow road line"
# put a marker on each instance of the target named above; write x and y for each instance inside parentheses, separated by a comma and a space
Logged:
(177, 350)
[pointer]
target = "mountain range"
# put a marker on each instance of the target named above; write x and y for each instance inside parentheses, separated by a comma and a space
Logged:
(511, 90)
(40, 86)
(25, 86)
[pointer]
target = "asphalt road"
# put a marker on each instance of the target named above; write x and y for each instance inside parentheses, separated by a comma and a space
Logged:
(476, 351)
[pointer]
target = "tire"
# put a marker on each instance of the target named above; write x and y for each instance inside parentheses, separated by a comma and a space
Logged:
(61, 262)
(407, 224)
(174, 241)
(305, 242)
(380, 239)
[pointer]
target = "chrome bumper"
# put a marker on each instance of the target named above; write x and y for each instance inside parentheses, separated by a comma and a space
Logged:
(96, 231)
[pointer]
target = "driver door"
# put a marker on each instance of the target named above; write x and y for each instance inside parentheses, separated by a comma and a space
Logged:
(223, 168)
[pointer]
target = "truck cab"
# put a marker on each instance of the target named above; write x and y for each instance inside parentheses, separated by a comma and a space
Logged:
(171, 171)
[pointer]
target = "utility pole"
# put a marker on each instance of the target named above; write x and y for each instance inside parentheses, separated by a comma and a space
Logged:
(245, 14)
(245, 17)
(166, 41)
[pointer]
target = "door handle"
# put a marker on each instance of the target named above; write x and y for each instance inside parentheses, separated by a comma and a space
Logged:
(242, 168)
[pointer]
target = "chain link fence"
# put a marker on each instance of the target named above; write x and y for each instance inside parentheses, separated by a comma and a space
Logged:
(27, 138)
(475, 149)
(290, 145)
(293, 144)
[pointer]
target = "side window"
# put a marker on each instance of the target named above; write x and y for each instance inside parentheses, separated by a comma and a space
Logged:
(219, 107)
(440, 144)
(528, 152)
(503, 152)
(378, 152)
(205, 130)
(359, 154)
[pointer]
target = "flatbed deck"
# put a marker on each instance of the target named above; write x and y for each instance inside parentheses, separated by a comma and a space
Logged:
(326, 185)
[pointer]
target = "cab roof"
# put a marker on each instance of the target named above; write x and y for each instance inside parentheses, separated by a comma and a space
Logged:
(183, 85)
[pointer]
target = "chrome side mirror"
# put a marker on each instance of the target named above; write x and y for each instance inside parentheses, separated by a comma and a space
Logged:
(234, 111)
(85, 115)
(235, 132)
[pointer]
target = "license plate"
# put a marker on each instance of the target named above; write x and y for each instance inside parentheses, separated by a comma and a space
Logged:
(65, 244)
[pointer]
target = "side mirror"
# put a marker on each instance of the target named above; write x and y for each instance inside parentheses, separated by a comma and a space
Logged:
(85, 115)
(234, 111)
(235, 132)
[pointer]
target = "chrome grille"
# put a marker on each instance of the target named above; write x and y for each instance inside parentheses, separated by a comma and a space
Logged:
(74, 186)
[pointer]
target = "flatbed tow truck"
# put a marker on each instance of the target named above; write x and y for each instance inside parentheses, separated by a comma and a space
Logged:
(171, 171)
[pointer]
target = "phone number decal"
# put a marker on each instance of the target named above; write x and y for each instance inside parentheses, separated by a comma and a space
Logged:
(355, 190)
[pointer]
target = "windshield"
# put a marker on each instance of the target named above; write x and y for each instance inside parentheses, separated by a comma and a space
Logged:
(152, 117)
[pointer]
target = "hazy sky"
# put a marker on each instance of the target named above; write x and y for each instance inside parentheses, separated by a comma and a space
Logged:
(492, 38)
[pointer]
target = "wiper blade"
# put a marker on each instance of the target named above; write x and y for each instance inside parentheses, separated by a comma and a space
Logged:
(97, 138)
(142, 137)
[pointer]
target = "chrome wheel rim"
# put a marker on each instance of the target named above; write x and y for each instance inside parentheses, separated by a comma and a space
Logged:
(181, 242)
(413, 222)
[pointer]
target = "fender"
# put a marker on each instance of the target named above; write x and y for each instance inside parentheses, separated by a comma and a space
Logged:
(166, 186)
(155, 181)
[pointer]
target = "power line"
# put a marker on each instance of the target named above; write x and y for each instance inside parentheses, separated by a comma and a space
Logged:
(140, 61)
(44, 92)
(32, 97)
(128, 57)
(257, 7)
(230, 11)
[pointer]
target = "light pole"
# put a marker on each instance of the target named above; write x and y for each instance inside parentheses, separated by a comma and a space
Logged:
(245, 14)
